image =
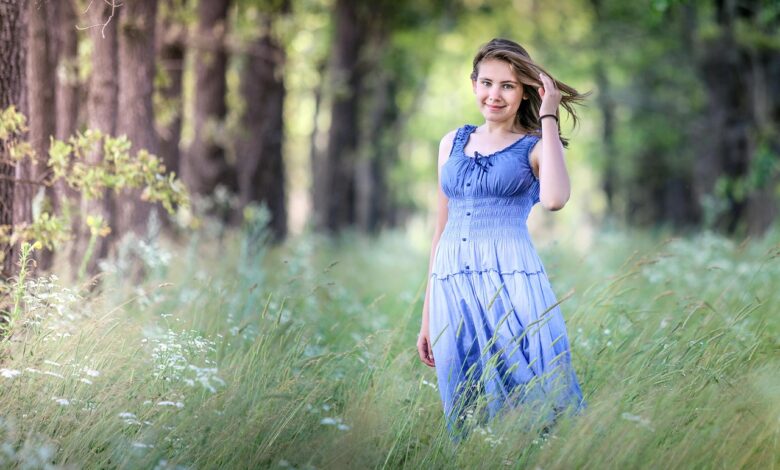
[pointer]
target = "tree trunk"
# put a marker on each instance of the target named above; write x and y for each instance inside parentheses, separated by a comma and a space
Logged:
(374, 198)
(764, 60)
(334, 191)
(260, 167)
(41, 110)
(102, 110)
(11, 84)
(206, 166)
(607, 107)
(170, 52)
(726, 150)
(40, 102)
(136, 87)
(66, 90)
(66, 72)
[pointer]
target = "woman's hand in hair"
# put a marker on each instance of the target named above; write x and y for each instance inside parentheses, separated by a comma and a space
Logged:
(551, 96)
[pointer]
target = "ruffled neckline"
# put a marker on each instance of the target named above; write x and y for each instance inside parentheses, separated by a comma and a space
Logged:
(470, 128)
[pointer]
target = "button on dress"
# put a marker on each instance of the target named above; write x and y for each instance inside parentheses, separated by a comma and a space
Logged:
(497, 333)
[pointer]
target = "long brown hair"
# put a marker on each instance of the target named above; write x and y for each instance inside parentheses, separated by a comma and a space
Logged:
(527, 72)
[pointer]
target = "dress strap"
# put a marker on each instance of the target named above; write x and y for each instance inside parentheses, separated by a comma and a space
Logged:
(461, 136)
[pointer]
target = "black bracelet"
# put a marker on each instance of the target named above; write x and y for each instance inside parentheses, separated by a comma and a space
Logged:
(549, 115)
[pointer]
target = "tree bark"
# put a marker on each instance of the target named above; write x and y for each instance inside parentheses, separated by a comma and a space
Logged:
(102, 110)
(764, 60)
(136, 87)
(40, 102)
(11, 83)
(170, 37)
(66, 72)
(374, 198)
(41, 111)
(66, 91)
(261, 175)
(607, 107)
(334, 182)
(206, 165)
(725, 151)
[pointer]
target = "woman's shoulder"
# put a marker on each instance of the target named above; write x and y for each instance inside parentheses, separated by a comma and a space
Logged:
(448, 142)
(453, 135)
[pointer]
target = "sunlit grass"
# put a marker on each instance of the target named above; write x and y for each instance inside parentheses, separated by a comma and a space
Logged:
(228, 355)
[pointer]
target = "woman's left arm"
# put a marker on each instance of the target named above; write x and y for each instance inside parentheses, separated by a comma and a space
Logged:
(554, 185)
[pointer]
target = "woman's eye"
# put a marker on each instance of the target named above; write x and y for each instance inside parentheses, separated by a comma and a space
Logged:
(508, 87)
(484, 83)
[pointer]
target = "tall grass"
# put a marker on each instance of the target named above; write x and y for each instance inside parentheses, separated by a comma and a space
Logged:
(232, 355)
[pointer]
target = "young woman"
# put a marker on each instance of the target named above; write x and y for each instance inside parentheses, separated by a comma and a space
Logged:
(490, 323)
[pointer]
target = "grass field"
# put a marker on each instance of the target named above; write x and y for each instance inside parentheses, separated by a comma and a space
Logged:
(229, 354)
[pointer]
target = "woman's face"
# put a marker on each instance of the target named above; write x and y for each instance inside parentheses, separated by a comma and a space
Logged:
(498, 91)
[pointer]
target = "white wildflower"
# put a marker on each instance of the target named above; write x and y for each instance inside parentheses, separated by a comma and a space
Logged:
(91, 372)
(9, 373)
(177, 404)
(425, 382)
(61, 401)
(338, 422)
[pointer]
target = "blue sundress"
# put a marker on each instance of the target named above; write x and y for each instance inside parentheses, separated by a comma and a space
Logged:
(496, 330)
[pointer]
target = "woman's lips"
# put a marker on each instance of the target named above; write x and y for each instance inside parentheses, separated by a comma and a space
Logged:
(494, 108)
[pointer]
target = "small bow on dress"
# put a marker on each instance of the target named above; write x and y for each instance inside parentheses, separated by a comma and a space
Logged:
(482, 161)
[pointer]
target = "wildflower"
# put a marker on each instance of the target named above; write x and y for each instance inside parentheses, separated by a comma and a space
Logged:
(129, 418)
(177, 404)
(9, 373)
(61, 401)
(91, 372)
(141, 445)
(338, 422)
(425, 382)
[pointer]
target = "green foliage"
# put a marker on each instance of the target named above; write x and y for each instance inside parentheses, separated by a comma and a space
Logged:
(72, 161)
(9, 319)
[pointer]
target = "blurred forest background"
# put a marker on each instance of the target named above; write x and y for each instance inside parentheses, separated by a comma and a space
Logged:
(329, 112)
(146, 323)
